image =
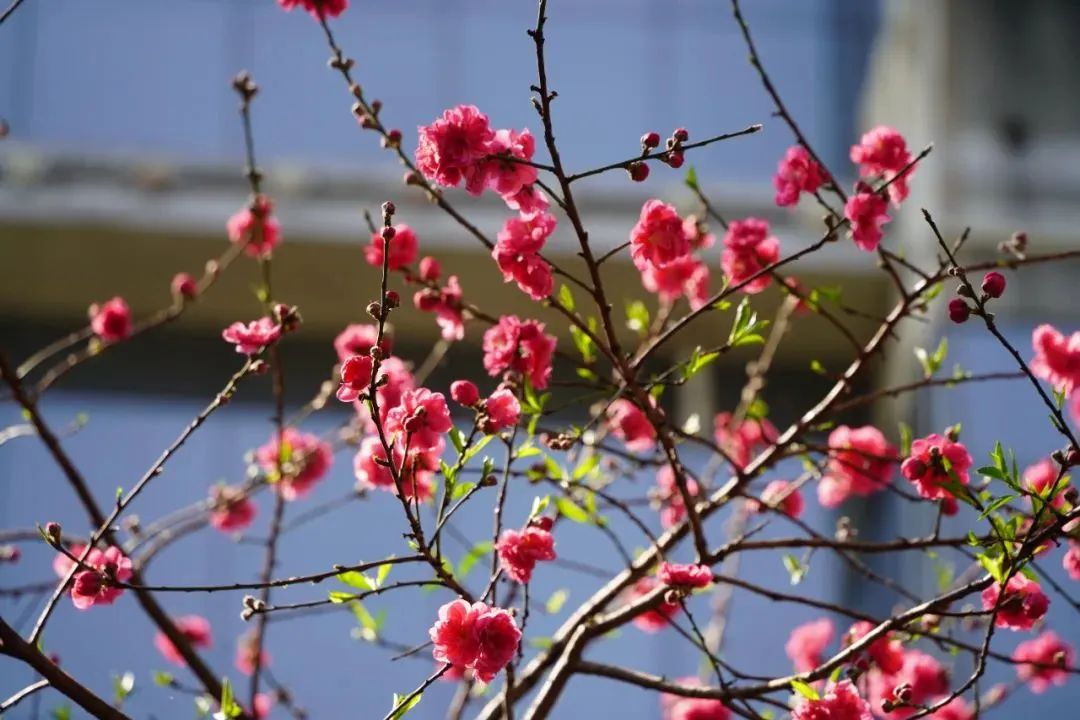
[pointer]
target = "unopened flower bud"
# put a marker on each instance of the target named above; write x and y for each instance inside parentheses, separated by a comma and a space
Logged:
(903, 693)
(374, 309)
(675, 159)
(489, 481)
(412, 178)
(464, 393)
(184, 286)
(376, 106)
(388, 232)
(650, 140)
(388, 209)
(993, 284)
(638, 171)
(959, 310)
(681, 134)
(53, 531)
(393, 300)
(544, 522)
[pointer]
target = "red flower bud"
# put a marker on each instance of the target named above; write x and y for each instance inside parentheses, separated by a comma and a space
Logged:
(959, 310)
(393, 300)
(650, 140)
(184, 286)
(993, 284)
(675, 159)
(681, 134)
(638, 171)
(464, 393)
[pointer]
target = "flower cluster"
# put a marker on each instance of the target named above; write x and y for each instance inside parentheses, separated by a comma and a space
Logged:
(860, 463)
(797, 173)
(517, 253)
(934, 462)
(1020, 606)
(749, 249)
(255, 228)
(741, 441)
(520, 550)
(840, 701)
(93, 584)
(519, 346)
(477, 637)
(294, 462)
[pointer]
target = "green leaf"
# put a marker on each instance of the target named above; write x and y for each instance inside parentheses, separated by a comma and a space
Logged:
(992, 566)
(698, 361)
(746, 326)
(461, 490)
(637, 317)
(382, 573)
(566, 298)
(229, 708)
(478, 551)
(996, 504)
(795, 569)
(586, 466)
(556, 601)
(63, 712)
(358, 580)
(571, 510)
(400, 712)
(337, 597)
(805, 690)
(905, 439)
(457, 438)
(123, 686)
(539, 505)
(691, 178)
(162, 678)
(369, 626)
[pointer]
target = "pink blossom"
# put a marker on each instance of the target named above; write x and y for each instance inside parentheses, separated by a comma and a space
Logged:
(430, 269)
(860, 463)
(1040, 477)
(677, 707)
(255, 227)
(403, 248)
(886, 652)
(529, 200)
(477, 637)
(252, 338)
(629, 423)
(926, 467)
(446, 304)
(355, 377)
(232, 510)
(62, 564)
(502, 410)
(867, 212)
(658, 237)
(304, 460)
(519, 551)
(807, 642)
(245, 655)
(957, 709)
(111, 321)
(92, 587)
(451, 148)
(517, 253)
(684, 576)
(1024, 604)
(748, 249)
(415, 471)
(194, 628)
(686, 276)
(422, 417)
(263, 702)
(672, 507)
(883, 153)
(1071, 561)
(1046, 660)
(796, 173)
(782, 495)
(399, 380)
(1057, 358)
(742, 443)
(696, 233)
(506, 177)
(318, 8)
(922, 673)
(657, 617)
(358, 339)
(521, 346)
(840, 701)
(464, 393)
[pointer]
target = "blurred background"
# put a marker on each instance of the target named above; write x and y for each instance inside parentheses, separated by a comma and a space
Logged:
(124, 158)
